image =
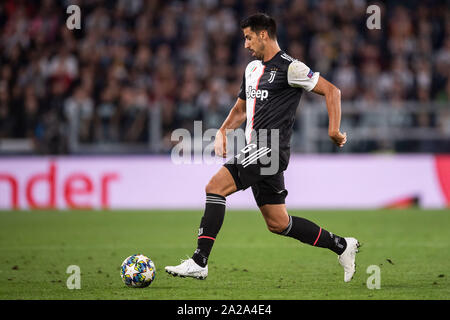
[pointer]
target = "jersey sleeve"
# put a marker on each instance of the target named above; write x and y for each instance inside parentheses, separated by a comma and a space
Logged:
(299, 75)
(242, 94)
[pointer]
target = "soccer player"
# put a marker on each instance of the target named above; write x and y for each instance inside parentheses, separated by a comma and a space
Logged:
(269, 96)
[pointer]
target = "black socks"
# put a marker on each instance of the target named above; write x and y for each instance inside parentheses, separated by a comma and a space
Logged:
(310, 233)
(209, 227)
(298, 228)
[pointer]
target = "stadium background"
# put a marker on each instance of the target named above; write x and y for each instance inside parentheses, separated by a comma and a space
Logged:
(86, 118)
(137, 70)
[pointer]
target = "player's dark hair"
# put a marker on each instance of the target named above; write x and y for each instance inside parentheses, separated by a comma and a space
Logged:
(261, 21)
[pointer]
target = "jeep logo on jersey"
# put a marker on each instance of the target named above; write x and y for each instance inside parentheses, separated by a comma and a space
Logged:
(258, 94)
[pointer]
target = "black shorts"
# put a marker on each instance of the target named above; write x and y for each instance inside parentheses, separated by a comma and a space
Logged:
(267, 189)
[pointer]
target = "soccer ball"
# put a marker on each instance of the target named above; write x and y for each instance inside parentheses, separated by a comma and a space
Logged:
(137, 271)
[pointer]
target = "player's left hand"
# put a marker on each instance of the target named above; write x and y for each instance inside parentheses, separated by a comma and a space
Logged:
(339, 138)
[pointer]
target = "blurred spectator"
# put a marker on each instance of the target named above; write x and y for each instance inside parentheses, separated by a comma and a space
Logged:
(6, 125)
(79, 110)
(106, 110)
(188, 110)
(30, 117)
(133, 107)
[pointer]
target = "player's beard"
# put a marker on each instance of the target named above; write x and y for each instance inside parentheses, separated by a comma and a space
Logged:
(259, 56)
(260, 53)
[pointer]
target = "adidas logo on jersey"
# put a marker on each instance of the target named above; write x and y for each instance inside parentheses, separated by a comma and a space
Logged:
(258, 94)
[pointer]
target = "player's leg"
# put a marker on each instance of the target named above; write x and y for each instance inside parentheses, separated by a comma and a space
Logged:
(218, 188)
(280, 222)
(221, 185)
(270, 196)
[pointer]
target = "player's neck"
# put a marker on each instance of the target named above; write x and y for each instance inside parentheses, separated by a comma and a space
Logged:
(271, 51)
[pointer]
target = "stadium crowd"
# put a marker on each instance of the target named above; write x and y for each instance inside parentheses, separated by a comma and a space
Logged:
(187, 58)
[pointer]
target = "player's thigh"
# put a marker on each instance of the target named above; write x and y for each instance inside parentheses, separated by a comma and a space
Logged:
(276, 217)
(221, 183)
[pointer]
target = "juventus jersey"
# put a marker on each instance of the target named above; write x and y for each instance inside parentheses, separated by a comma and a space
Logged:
(272, 91)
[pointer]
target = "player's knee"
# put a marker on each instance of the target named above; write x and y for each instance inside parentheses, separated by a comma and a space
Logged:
(275, 227)
(221, 184)
(213, 187)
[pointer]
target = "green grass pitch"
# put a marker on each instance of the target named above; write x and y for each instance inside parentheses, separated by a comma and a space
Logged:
(411, 248)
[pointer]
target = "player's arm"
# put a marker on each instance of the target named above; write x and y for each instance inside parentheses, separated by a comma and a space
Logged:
(300, 75)
(333, 101)
(234, 120)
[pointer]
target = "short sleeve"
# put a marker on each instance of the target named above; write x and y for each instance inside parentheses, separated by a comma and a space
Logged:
(242, 94)
(301, 76)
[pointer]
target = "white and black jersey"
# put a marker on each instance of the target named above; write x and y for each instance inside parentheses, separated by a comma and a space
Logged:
(272, 91)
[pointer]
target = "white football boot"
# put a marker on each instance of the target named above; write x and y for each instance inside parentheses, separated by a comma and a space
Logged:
(347, 258)
(188, 268)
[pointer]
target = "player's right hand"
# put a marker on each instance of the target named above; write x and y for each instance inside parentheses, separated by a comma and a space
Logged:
(220, 144)
(339, 138)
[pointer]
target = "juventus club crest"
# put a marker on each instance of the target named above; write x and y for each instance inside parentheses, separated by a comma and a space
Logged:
(272, 76)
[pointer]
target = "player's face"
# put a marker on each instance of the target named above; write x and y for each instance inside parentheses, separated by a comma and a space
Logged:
(253, 43)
